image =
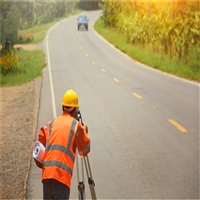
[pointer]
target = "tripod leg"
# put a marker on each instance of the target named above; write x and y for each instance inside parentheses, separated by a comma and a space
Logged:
(83, 177)
(90, 179)
(77, 167)
(81, 185)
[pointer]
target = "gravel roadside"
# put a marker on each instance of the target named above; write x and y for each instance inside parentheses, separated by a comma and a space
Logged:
(18, 113)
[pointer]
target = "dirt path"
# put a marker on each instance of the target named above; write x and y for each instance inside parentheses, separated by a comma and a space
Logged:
(29, 46)
(18, 113)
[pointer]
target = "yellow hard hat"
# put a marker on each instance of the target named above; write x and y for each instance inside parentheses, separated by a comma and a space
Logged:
(70, 99)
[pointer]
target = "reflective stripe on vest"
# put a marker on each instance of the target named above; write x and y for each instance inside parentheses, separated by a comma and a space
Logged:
(61, 148)
(85, 150)
(50, 130)
(52, 163)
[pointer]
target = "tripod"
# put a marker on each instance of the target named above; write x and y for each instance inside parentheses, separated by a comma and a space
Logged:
(84, 161)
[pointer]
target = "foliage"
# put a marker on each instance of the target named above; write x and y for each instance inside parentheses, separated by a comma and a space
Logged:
(30, 63)
(25, 38)
(8, 59)
(188, 67)
(26, 13)
(45, 11)
(89, 5)
(17, 15)
(22, 15)
(110, 11)
(170, 27)
(30, 66)
(8, 62)
(9, 20)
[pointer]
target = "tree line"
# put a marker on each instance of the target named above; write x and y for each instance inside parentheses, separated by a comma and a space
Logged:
(18, 15)
(170, 27)
(24, 14)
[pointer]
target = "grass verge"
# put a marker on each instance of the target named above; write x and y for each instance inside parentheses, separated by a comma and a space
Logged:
(31, 63)
(188, 68)
(30, 66)
(39, 31)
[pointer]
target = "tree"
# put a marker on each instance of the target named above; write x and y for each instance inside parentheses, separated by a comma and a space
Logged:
(26, 9)
(89, 5)
(9, 22)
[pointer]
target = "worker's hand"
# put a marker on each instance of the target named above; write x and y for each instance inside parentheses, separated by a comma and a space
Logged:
(85, 127)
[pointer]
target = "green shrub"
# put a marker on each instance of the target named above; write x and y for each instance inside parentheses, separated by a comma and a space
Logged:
(25, 37)
(29, 67)
(8, 62)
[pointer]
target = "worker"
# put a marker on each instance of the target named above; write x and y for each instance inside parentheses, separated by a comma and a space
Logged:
(60, 137)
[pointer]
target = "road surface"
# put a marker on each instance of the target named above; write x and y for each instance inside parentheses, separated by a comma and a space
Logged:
(143, 124)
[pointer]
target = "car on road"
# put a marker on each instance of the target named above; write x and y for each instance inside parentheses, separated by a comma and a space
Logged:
(83, 21)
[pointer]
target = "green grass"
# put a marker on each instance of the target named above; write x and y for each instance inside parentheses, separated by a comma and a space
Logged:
(30, 66)
(188, 68)
(39, 31)
(31, 63)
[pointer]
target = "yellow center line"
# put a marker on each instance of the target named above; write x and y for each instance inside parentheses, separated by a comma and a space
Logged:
(103, 70)
(177, 125)
(116, 80)
(137, 95)
(93, 63)
(86, 54)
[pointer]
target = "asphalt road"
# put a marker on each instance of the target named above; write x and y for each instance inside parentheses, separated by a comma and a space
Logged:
(143, 124)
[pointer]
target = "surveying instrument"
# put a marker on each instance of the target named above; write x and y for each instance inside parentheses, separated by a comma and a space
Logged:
(84, 161)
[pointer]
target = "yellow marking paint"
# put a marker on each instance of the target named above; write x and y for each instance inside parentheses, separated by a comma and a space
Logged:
(116, 80)
(81, 48)
(177, 125)
(137, 95)
(103, 70)
(93, 63)
(86, 54)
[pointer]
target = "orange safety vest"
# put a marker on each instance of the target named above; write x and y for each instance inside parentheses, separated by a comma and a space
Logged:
(60, 137)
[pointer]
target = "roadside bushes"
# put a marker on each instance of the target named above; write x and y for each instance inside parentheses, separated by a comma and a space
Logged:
(9, 61)
(165, 28)
(25, 38)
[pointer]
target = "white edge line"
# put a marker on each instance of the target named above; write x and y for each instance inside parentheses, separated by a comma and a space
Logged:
(143, 65)
(51, 82)
(49, 67)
